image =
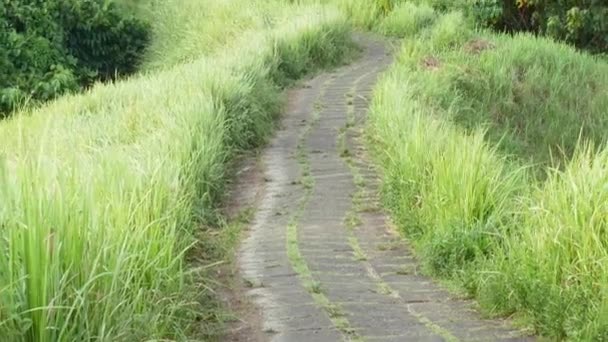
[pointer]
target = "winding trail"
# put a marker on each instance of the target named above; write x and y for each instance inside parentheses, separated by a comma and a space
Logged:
(320, 259)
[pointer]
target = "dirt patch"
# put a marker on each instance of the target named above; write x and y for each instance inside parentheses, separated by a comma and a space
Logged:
(431, 63)
(478, 45)
(242, 196)
(246, 325)
(243, 191)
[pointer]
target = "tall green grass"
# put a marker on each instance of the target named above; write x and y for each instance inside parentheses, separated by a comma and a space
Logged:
(554, 267)
(184, 30)
(536, 98)
(449, 190)
(406, 19)
(101, 193)
(362, 14)
(494, 164)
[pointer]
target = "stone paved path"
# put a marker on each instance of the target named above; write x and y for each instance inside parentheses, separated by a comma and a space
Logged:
(320, 260)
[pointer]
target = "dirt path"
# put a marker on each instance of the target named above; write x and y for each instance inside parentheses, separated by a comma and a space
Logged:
(320, 260)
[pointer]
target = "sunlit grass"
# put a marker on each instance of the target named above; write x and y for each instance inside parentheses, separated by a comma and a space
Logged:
(494, 161)
(101, 193)
(406, 19)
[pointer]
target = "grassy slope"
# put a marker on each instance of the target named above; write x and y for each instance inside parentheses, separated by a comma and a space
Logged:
(101, 193)
(465, 123)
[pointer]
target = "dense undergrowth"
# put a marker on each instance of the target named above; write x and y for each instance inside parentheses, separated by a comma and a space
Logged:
(102, 193)
(56, 46)
(493, 152)
(578, 22)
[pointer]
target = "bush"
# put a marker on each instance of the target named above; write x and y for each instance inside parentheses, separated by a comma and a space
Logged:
(103, 41)
(53, 47)
(582, 23)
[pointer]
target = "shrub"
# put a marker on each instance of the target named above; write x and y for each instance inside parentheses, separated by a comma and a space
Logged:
(582, 23)
(103, 41)
(57, 46)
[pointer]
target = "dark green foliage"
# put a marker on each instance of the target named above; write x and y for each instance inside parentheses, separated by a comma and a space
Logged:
(57, 46)
(452, 250)
(101, 39)
(583, 23)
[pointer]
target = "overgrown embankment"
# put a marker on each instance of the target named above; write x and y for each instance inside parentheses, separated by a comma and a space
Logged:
(102, 193)
(492, 150)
